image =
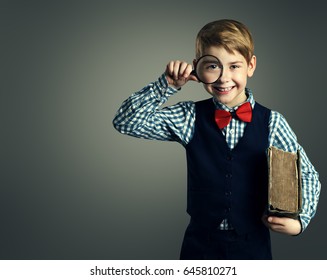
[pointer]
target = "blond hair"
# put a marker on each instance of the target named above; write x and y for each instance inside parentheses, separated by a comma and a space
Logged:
(229, 34)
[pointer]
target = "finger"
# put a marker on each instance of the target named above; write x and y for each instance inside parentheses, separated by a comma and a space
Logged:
(192, 77)
(264, 219)
(179, 72)
(273, 226)
(188, 70)
(278, 228)
(176, 69)
(183, 70)
(276, 220)
(170, 68)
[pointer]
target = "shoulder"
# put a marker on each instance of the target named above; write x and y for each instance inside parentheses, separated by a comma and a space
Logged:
(277, 120)
(260, 107)
(261, 114)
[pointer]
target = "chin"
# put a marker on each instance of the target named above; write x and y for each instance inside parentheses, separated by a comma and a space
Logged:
(224, 99)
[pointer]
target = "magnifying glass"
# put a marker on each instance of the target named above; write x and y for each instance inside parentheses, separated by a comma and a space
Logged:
(208, 69)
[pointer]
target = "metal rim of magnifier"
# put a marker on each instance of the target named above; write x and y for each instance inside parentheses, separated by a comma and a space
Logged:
(194, 73)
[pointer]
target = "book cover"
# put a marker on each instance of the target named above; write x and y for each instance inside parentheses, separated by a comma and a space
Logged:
(284, 183)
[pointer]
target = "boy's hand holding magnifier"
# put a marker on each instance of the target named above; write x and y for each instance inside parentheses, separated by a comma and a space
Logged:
(178, 73)
(207, 70)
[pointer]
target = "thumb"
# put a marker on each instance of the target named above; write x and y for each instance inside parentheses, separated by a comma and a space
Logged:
(192, 77)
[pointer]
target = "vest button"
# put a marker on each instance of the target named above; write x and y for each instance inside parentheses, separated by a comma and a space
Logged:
(227, 209)
(229, 175)
(229, 158)
(227, 193)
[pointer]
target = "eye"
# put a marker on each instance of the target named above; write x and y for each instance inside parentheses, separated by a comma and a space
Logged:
(212, 66)
(235, 66)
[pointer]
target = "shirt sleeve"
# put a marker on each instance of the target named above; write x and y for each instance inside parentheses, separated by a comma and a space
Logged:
(141, 116)
(282, 137)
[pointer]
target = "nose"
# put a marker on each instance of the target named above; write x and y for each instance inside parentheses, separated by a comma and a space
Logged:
(224, 76)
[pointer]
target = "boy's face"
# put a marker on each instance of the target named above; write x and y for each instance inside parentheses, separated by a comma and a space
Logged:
(229, 89)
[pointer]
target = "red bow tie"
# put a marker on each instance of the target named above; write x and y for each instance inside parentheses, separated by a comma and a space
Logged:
(244, 113)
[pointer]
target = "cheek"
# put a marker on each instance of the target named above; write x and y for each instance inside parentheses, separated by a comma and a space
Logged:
(241, 78)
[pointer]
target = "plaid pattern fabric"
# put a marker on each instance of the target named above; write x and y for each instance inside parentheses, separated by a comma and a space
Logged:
(141, 116)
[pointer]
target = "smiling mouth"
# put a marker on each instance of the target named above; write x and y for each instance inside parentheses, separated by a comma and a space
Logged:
(223, 89)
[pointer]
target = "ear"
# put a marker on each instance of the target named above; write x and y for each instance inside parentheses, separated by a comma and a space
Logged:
(252, 65)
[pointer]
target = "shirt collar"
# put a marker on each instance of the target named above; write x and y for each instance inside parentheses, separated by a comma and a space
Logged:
(221, 106)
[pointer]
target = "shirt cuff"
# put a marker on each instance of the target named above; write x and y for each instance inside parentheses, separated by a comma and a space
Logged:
(164, 85)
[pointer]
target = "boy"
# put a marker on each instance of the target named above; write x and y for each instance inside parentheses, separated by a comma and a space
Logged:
(226, 139)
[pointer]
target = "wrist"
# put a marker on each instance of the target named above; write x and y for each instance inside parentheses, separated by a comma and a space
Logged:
(300, 229)
(165, 81)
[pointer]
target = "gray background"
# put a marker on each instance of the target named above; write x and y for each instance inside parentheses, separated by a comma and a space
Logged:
(74, 188)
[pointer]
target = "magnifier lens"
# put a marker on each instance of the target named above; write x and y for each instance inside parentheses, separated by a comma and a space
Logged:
(208, 69)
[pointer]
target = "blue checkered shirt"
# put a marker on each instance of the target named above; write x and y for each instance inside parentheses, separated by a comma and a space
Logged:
(141, 116)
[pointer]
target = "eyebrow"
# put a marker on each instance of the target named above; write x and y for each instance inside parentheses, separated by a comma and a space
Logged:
(210, 60)
(235, 62)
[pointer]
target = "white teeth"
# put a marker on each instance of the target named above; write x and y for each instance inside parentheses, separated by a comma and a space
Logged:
(225, 89)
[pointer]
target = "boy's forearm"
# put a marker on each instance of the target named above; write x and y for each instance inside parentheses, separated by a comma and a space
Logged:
(310, 190)
(137, 110)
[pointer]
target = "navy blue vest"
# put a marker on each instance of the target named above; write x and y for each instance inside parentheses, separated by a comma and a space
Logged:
(225, 183)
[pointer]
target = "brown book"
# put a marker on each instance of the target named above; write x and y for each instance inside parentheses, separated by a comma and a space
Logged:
(284, 183)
